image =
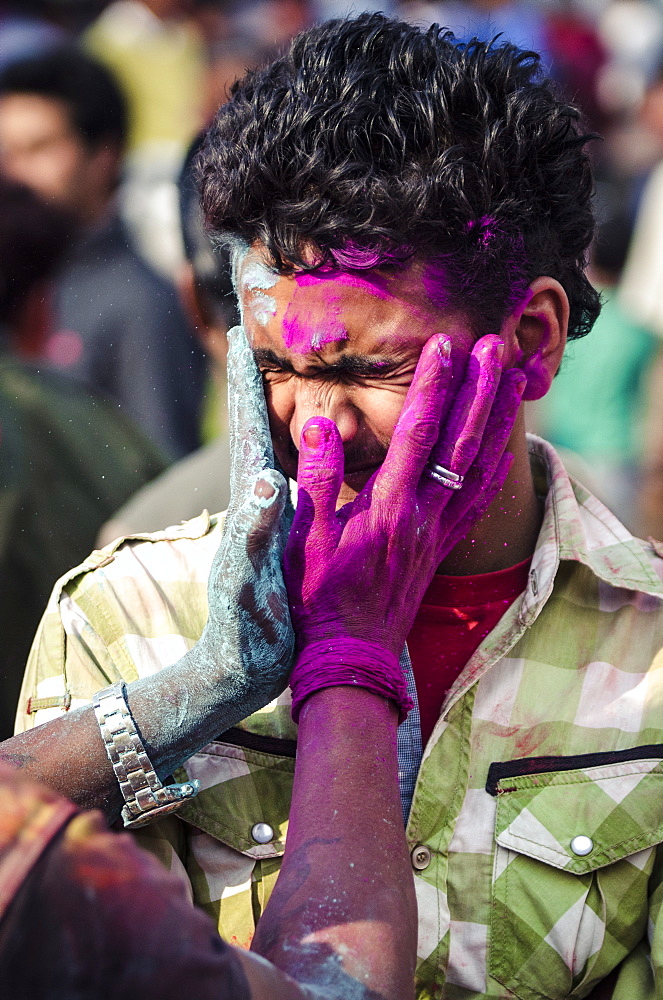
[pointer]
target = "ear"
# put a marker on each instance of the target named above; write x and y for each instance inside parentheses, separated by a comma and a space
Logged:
(536, 332)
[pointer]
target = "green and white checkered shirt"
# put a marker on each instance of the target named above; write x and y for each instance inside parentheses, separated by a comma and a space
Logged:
(537, 813)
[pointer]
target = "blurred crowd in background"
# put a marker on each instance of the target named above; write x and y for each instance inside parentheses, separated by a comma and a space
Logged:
(113, 309)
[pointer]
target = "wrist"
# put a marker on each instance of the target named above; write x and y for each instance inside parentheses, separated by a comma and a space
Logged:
(343, 700)
(146, 798)
(348, 662)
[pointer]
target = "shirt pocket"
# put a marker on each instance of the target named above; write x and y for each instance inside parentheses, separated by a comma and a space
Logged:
(245, 791)
(235, 828)
(575, 847)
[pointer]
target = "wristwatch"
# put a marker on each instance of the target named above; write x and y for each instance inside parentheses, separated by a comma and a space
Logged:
(146, 798)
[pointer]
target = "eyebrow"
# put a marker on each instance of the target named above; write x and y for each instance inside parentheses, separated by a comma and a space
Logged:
(361, 365)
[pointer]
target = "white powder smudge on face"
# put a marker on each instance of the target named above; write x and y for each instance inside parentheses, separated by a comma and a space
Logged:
(255, 280)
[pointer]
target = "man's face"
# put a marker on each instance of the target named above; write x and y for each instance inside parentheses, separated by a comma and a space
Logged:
(343, 345)
(40, 148)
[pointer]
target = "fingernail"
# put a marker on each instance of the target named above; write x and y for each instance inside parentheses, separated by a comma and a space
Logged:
(313, 435)
(265, 490)
(491, 346)
(444, 348)
(499, 350)
(520, 384)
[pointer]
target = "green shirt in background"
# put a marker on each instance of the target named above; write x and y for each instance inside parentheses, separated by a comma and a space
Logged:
(68, 460)
(595, 404)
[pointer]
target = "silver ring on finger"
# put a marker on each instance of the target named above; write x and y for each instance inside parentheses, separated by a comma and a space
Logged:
(445, 477)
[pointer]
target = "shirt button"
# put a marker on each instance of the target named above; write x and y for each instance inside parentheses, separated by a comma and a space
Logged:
(582, 845)
(262, 833)
(420, 857)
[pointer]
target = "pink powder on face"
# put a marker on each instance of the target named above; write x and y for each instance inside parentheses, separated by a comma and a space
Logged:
(306, 330)
(314, 320)
(374, 284)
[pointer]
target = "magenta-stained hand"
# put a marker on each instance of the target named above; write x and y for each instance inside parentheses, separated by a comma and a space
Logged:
(361, 572)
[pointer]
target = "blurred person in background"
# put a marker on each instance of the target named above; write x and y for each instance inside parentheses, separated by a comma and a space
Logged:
(67, 459)
(25, 32)
(229, 60)
(199, 480)
(641, 294)
(595, 407)
(157, 54)
(270, 24)
(118, 326)
(643, 273)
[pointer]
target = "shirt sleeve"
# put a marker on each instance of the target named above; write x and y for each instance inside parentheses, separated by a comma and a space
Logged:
(129, 609)
(71, 658)
(66, 666)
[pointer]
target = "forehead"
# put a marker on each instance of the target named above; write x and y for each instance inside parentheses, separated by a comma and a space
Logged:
(333, 310)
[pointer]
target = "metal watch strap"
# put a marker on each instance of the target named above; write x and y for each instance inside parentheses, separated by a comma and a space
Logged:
(145, 796)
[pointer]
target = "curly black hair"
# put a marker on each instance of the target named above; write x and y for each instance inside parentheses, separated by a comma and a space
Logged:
(371, 141)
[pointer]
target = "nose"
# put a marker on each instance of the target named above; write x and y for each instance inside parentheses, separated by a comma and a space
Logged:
(324, 399)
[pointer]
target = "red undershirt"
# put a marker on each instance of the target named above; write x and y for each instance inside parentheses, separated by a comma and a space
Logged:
(455, 616)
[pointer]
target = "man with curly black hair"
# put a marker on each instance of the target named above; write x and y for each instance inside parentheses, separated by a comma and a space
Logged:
(385, 189)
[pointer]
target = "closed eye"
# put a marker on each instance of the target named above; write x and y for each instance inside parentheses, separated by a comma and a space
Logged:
(349, 369)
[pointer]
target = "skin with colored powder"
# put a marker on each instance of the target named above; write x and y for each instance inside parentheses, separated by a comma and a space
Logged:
(357, 573)
(403, 522)
(256, 281)
(361, 382)
(339, 943)
(309, 325)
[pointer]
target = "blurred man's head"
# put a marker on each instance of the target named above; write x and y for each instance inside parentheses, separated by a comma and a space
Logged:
(32, 238)
(63, 124)
(205, 281)
(380, 184)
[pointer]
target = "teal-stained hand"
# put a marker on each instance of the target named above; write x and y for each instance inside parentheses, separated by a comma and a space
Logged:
(249, 622)
(244, 655)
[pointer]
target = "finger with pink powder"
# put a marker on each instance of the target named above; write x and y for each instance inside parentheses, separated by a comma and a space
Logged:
(320, 468)
(418, 426)
(462, 435)
(319, 478)
(489, 470)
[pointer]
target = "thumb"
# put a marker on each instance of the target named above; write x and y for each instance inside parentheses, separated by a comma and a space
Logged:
(262, 513)
(319, 476)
